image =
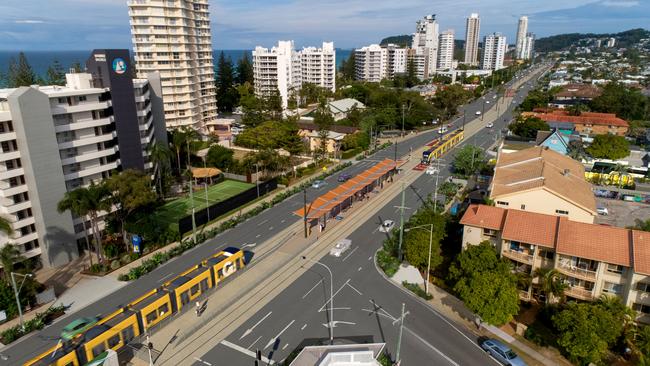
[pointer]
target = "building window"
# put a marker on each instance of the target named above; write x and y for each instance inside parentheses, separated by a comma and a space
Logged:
(561, 212)
(523, 207)
(82, 98)
(615, 268)
(489, 232)
(642, 286)
(612, 288)
(644, 309)
(502, 203)
(546, 254)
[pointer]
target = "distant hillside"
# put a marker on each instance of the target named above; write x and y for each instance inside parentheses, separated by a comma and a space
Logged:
(403, 40)
(564, 41)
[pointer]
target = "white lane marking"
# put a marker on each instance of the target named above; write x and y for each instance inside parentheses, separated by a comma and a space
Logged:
(370, 258)
(250, 330)
(303, 327)
(431, 346)
(374, 231)
(352, 287)
(263, 222)
(245, 351)
(317, 283)
(378, 313)
(166, 276)
(381, 308)
(272, 340)
(282, 222)
(203, 362)
(285, 346)
(271, 228)
(258, 235)
(335, 323)
(252, 344)
(349, 254)
(328, 309)
(359, 270)
(330, 299)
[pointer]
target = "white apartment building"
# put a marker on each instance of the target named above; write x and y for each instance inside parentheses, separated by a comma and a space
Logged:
(446, 50)
(396, 60)
(370, 63)
(520, 45)
(285, 70)
(425, 44)
(472, 34)
(494, 51)
(54, 139)
(173, 37)
(529, 47)
(611, 42)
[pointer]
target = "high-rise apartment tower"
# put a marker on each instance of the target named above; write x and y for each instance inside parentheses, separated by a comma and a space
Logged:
(520, 46)
(471, 39)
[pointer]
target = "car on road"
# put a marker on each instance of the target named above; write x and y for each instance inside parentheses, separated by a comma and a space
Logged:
(442, 130)
(318, 184)
(341, 247)
(487, 102)
(386, 226)
(432, 170)
(478, 113)
(489, 125)
(344, 177)
(494, 97)
(602, 210)
(502, 353)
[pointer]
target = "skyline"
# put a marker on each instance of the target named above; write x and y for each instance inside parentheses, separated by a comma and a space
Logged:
(243, 25)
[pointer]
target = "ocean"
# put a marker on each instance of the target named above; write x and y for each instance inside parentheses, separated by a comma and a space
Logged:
(41, 60)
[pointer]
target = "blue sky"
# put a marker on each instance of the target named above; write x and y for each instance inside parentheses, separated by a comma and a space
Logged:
(242, 24)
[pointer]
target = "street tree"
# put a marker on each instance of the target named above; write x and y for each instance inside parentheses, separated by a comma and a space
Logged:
(416, 242)
(227, 95)
(528, 126)
(449, 99)
(220, 157)
(20, 72)
(160, 156)
(586, 331)
(609, 147)
(492, 295)
(469, 160)
(74, 202)
(324, 120)
(9, 255)
(130, 191)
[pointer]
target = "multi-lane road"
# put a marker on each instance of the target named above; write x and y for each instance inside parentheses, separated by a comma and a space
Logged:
(366, 305)
(432, 331)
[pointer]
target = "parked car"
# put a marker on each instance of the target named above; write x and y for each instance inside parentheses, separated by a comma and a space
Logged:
(341, 247)
(318, 184)
(478, 113)
(432, 170)
(487, 102)
(602, 210)
(502, 353)
(387, 226)
(489, 125)
(344, 177)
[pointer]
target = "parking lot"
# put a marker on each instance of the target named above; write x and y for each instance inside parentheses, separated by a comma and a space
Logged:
(622, 213)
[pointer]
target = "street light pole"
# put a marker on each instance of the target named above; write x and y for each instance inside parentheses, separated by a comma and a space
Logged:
(331, 296)
(304, 209)
(16, 293)
(193, 210)
(401, 330)
(207, 203)
(257, 179)
(403, 106)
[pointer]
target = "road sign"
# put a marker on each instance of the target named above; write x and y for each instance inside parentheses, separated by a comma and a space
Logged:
(136, 240)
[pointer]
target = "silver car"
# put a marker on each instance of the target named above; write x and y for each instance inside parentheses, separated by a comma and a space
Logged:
(386, 226)
(341, 247)
(502, 353)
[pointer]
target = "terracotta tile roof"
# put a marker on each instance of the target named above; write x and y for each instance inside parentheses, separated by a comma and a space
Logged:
(630, 248)
(530, 227)
(641, 252)
(596, 242)
(592, 118)
(487, 217)
(542, 168)
(310, 126)
(587, 91)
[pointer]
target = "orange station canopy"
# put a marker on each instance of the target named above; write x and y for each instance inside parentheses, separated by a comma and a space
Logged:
(325, 203)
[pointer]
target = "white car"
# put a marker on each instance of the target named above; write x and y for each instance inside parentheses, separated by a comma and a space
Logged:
(602, 211)
(341, 247)
(318, 184)
(387, 226)
(432, 170)
(487, 102)
(442, 130)
(478, 113)
(489, 125)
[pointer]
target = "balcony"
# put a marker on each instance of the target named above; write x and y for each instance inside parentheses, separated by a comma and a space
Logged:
(518, 256)
(10, 155)
(89, 156)
(4, 175)
(12, 191)
(7, 136)
(580, 293)
(85, 172)
(81, 124)
(576, 272)
(87, 141)
(81, 107)
(17, 207)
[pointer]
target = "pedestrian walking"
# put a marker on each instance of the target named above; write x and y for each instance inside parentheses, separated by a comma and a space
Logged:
(198, 308)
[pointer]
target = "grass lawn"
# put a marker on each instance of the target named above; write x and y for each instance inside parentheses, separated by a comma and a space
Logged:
(172, 211)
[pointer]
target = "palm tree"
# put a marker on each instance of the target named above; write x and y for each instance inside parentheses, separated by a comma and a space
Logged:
(178, 139)
(9, 255)
(5, 226)
(550, 283)
(72, 201)
(190, 137)
(160, 156)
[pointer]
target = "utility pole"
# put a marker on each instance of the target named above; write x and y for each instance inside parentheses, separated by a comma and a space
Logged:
(403, 106)
(401, 224)
(401, 330)
(464, 115)
(257, 179)
(435, 193)
(304, 196)
(395, 143)
(193, 210)
(207, 203)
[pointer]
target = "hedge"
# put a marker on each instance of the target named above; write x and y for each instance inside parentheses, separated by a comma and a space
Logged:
(37, 323)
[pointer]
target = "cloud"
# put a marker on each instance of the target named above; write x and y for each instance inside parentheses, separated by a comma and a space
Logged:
(28, 21)
(620, 3)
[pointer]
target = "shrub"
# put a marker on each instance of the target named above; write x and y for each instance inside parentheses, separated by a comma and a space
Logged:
(387, 263)
(417, 290)
(126, 258)
(123, 277)
(115, 265)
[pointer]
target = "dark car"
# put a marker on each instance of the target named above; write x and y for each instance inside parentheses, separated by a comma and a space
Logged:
(344, 177)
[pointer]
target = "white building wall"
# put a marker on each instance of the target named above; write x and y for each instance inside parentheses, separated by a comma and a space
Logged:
(371, 63)
(520, 46)
(446, 50)
(494, 51)
(472, 34)
(425, 42)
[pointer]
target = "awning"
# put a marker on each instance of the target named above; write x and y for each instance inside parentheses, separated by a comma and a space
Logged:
(325, 203)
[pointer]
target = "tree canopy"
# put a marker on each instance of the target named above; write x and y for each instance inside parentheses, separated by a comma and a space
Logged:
(469, 160)
(609, 147)
(244, 70)
(626, 103)
(528, 126)
(220, 157)
(20, 73)
(416, 241)
(227, 95)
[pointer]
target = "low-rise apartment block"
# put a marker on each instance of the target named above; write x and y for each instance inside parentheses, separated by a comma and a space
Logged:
(587, 123)
(541, 180)
(592, 260)
(374, 63)
(54, 139)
